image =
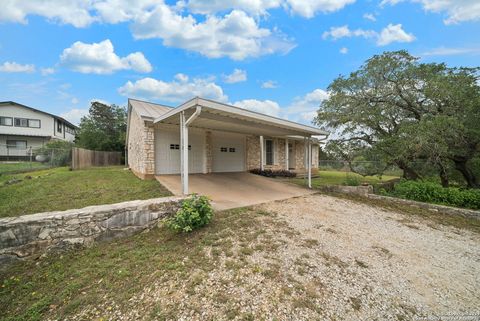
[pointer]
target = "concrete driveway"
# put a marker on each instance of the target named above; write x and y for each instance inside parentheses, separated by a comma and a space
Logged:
(231, 190)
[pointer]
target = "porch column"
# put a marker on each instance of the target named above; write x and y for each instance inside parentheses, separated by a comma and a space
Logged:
(183, 154)
(309, 162)
(286, 154)
(261, 154)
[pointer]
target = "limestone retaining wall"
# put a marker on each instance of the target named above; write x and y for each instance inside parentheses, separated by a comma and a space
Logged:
(30, 236)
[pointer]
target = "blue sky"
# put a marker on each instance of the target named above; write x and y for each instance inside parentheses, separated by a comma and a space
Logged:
(272, 56)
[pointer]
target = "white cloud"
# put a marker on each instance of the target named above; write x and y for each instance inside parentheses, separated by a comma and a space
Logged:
(389, 34)
(457, 10)
(178, 90)
(370, 16)
(304, 8)
(16, 67)
(74, 115)
(47, 71)
(267, 107)
(235, 35)
(237, 75)
(394, 33)
(74, 12)
(344, 50)
(269, 84)
(74, 101)
(256, 7)
(302, 109)
(308, 8)
(443, 51)
(343, 32)
(100, 58)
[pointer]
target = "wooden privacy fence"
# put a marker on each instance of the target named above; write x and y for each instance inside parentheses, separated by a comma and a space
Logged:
(83, 158)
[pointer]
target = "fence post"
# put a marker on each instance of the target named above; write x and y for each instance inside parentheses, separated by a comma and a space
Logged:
(30, 156)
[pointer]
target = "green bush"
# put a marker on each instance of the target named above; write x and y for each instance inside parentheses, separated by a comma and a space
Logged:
(352, 181)
(431, 192)
(195, 212)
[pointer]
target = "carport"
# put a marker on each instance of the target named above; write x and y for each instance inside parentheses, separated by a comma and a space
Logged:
(208, 114)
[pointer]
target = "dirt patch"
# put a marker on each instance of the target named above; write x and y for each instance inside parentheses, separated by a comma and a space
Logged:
(308, 258)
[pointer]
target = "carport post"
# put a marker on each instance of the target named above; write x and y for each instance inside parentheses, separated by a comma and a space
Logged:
(286, 154)
(183, 154)
(309, 163)
(262, 162)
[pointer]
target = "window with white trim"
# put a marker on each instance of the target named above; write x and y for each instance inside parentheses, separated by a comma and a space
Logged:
(25, 122)
(6, 121)
(269, 154)
(16, 144)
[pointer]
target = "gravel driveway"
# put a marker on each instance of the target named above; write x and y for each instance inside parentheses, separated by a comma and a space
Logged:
(319, 257)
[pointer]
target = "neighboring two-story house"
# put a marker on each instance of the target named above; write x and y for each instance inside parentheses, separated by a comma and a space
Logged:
(24, 128)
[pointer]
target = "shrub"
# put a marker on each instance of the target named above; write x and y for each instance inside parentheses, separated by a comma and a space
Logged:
(352, 181)
(273, 173)
(431, 192)
(195, 212)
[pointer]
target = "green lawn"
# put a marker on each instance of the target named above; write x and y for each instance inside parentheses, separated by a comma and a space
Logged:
(11, 167)
(62, 189)
(342, 178)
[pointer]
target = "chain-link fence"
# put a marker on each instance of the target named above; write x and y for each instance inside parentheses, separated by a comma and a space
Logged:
(17, 159)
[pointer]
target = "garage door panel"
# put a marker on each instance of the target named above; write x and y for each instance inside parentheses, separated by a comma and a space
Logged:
(228, 152)
(167, 151)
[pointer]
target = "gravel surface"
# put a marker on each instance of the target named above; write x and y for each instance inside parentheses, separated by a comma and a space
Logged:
(320, 258)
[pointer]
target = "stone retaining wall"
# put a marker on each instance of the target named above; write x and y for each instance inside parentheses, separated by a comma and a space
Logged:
(30, 236)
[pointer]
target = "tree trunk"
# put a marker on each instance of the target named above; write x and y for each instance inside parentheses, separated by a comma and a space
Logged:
(444, 176)
(461, 166)
(408, 172)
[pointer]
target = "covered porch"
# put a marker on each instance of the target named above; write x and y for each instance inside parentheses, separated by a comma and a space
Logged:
(224, 120)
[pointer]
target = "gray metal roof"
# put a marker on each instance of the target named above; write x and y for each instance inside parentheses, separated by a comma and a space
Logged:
(148, 110)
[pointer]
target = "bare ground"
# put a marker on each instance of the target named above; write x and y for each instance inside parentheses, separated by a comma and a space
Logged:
(316, 258)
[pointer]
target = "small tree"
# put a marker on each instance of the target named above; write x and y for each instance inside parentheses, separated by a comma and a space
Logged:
(104, 128)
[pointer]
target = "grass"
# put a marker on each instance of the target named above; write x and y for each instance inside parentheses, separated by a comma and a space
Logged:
(59, 286)
(62, 189)
(342, 178)
(15, 167)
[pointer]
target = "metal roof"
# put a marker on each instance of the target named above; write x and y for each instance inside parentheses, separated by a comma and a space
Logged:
(148, 110)
(219, 116)
(38, 110)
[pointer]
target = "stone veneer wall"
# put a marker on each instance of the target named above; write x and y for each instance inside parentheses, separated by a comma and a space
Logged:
(141, 147)
(253, 154)
(30, 236)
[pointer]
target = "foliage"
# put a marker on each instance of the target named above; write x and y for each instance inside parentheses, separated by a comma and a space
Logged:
(195, 212)
(273, 173)
(330, 177)
(352, 181)
(431, 192)
(57, 152)
(398, 111)
(60, 189)
(104, 128)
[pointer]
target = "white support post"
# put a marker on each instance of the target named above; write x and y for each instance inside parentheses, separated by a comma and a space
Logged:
(185, 160)
(286, 154)
(182, 152)
(262, 154)
(309, 163)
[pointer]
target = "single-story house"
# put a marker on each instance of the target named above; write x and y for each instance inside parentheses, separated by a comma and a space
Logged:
(205, 136)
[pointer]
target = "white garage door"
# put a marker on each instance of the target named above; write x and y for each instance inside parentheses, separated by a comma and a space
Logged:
(167, 150)
(228, 152)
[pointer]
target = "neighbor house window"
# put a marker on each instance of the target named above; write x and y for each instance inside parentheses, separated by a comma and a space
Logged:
(69, 130)
(269, 151)
(16, 144)
(59, 126)
(6, 121)
(25, 122)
